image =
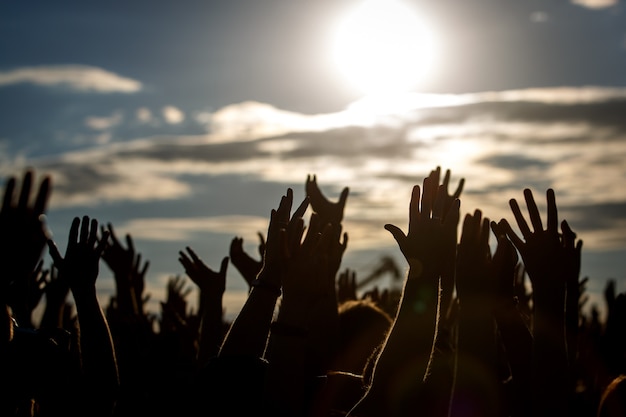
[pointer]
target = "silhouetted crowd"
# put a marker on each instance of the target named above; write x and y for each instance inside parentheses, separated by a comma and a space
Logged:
(475, 331)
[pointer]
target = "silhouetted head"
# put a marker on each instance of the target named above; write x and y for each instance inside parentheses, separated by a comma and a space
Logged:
(363, 326)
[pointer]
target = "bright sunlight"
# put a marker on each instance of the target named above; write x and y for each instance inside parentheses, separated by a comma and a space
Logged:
(382, 46)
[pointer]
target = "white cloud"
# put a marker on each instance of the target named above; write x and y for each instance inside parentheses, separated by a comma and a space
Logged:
(104, 122)
(76, 77)
(173, 115)
(596, 4)
(143, 114)
(181, 229)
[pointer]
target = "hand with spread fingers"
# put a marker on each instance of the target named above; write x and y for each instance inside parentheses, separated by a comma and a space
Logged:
(328, 211)
(247, 266)
(80, 267)
(545, 259)
(22, 229)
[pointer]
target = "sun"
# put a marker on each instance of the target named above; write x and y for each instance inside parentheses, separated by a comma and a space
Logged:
(382, 46)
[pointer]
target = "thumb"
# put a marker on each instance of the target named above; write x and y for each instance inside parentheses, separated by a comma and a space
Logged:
(397, 234)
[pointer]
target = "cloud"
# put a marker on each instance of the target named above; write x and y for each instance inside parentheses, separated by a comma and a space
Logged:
(182, 229)
(173, 115)
(573, 141)
(104, 122)
(79, 78)
(143, 115)
(596, 4)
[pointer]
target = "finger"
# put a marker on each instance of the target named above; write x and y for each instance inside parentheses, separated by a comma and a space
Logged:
(454, 214)
(42, 196)
(343, 197)
(102, 244)
(414, 209)
(517, 242)
(112, 235)
(185, 261)
(521, 222)
(129, 242)
(459, 188)
(397, 234)
(438, 208)
(93, 233)
(73, 235)
(54, 253)
(467, 233)
(195, 257)
(9, 189)
(446, 180)
(533, 211)
(84, 230)
(427, 198)
(301, 209)
(25, 193)
(236, 246)
(552, 211)
(224, 266)
(484, 233)
(146, 265)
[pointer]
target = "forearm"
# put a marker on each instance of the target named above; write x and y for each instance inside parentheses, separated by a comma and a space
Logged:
(96, 345)
(211, 328)
(248, 333)
(549, 360)
(476, 393)
(407, 350)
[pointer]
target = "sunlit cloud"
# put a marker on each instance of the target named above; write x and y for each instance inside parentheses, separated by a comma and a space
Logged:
(500, 143)
(104, 122)
(79, 78)
(143, 115)
(173, 115)
(181, 229)
(596, 4)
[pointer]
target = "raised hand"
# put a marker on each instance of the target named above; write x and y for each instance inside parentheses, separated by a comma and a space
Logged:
(125, 263)
(329, 212)
(22, 230)
(426, 245)
(475, 279)
(544, 257)
(79, 266)
(447, 199)
(346, 286)
(408, 348)
(204, 277)
(57, 290)
(541, 249)
(247, 266)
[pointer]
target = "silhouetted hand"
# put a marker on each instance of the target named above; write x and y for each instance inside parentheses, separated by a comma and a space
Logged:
(22, 229)
(204, 277)
(541, 250)
(247, 266)
(426, 245)
(129, 273)
(328, 211)
(80, 264)
(543, 253)
(346, 286)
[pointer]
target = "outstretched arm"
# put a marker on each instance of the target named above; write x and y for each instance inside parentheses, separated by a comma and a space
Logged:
(247, 266)
(212, 286)
(543, 254)
(249, 331)
(22, 239)
(408, 348)
(79, 267)
(476, 392)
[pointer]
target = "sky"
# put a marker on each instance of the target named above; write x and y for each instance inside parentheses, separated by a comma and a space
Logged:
(183, 123)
